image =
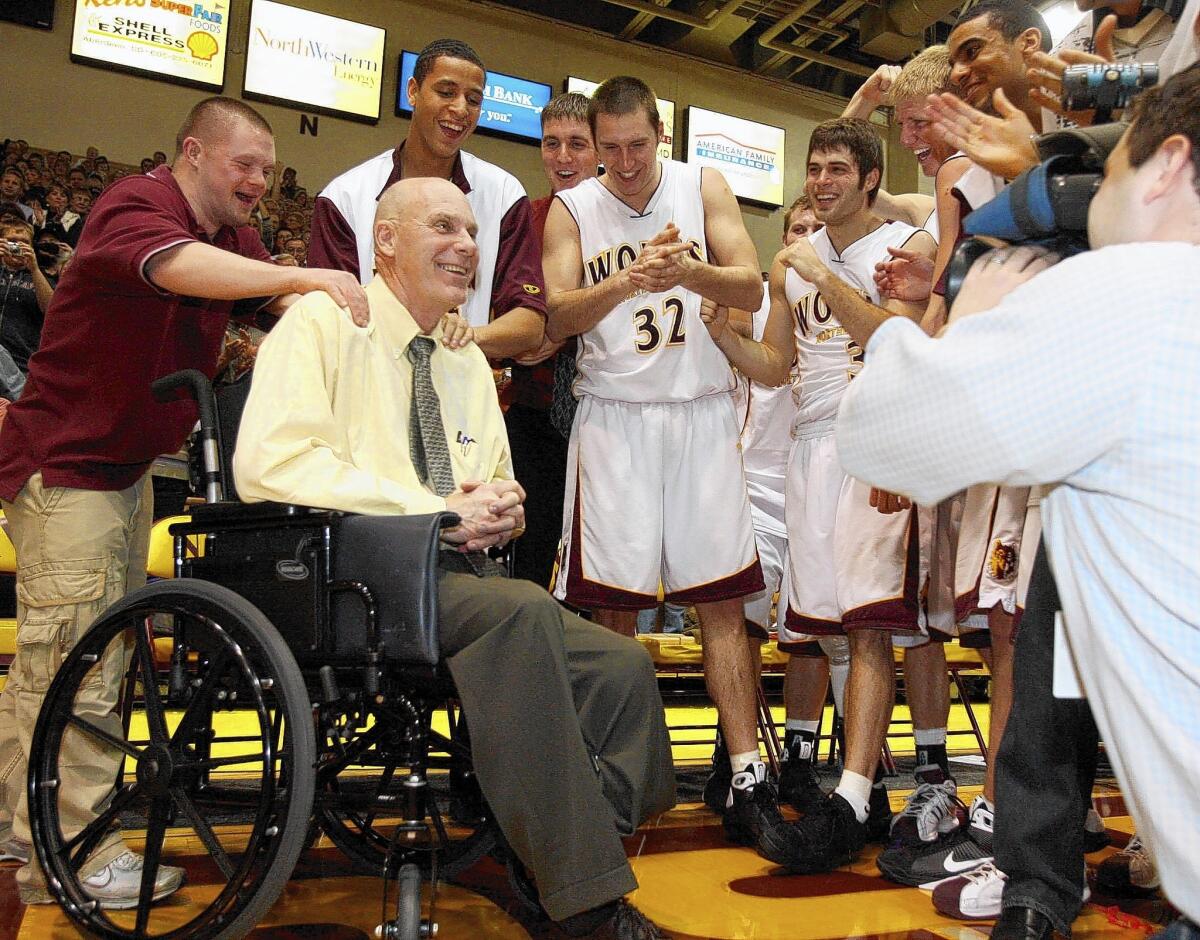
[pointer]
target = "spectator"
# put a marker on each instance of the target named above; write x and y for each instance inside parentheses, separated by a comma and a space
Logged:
(24, 293)
(52, 254)
(60, 219)
(81, 203)
(61, 165)
(147, 165)
(76, 178)
(159, 158)
(282, 237)
(287, 183)
(12, 189)
(296, 247)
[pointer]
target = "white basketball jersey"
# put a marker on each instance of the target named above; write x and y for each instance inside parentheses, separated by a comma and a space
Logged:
(827, 358)
(649, 347)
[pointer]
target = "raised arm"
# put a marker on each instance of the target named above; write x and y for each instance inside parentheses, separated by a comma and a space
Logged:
(948, 229)
(570, 308)
(858, 316)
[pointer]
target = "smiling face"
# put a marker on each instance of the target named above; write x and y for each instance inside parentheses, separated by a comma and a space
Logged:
(568, 155)
(232, 171)
(801, 224)
(627, 145)
(446, 105)
(982, 60)
(930, 150)
(425, 245)
(834, 186)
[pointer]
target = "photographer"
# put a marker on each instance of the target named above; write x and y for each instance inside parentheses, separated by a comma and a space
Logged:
(24, 293)
(1100, 357)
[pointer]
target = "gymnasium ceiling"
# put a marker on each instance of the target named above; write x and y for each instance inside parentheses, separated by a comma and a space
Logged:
(827, 45)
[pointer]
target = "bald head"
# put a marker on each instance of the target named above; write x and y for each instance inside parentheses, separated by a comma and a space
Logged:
(403, 198)
(425, 245)
(213, 120)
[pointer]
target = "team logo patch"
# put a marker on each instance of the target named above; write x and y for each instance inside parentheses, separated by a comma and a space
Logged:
(532, 288)
(1002, 561)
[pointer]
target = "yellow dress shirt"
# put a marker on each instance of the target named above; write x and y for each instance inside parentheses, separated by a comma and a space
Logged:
(326, 423)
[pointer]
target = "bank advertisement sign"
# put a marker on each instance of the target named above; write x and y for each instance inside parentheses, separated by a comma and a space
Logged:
(666, 114)
(314, 62)
(512, 107)
(748, 154)
(181, 42)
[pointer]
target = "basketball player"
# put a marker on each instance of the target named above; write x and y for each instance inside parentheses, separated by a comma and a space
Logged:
(766, 439)
(505, 305)
(653, 464)
(852, 569)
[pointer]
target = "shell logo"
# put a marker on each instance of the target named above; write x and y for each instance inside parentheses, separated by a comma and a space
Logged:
(202, 46)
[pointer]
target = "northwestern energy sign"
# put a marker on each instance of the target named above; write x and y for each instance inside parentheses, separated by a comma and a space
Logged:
(314, 62)
(175, 41)
(748, 154)
(666, 114)
(512, 107)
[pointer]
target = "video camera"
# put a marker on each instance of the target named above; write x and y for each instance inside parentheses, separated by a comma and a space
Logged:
(1105, 88)
(1045, 205)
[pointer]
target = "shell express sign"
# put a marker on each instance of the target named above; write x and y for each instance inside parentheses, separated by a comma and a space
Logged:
(167, 39)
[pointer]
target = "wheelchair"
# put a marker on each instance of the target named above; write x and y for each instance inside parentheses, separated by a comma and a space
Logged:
(282, 685)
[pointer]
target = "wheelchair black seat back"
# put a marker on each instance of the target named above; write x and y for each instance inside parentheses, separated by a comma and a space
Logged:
(287, 681)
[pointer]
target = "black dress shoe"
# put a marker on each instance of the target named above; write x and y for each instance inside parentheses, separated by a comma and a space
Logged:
(1022, 923)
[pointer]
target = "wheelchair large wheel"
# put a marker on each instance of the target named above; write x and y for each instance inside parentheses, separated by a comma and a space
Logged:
(363, 774)
(220, 728)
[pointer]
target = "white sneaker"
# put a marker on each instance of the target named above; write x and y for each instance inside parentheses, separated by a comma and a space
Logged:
(933, 809)
(117, 884)
(1130, 870)
(982, 815)
(972, 896)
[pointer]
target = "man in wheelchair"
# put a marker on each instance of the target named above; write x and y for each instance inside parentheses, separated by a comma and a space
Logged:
(567, 733)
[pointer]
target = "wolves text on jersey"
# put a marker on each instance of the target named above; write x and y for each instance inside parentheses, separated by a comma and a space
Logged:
(618, 258)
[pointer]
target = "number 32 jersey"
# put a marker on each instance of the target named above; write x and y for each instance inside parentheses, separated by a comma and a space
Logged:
(826, 357)
(649, 347)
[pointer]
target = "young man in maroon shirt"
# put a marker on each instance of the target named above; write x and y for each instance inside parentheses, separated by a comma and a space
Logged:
(150, 290)
(537, 432)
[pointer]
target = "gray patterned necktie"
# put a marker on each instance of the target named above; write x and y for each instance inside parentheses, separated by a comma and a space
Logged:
(429, 450)
(426, 434)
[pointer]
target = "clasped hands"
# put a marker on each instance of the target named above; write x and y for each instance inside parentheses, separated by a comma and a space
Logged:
(665, 262)
(490, 514)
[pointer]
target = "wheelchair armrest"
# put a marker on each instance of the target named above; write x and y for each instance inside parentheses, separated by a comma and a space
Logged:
(397, 558)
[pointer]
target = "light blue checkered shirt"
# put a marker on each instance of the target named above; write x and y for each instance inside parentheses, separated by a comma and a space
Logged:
(1087, 376)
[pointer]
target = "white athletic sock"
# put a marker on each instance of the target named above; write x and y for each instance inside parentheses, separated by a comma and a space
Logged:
(924, 737)
(855, 789)
(739, 762)
(796, 724)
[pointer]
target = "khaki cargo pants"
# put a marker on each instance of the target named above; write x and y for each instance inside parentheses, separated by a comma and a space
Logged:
(78, 551)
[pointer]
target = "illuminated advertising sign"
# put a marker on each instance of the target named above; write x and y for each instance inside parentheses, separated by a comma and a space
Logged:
(175, 41)
(666, 114)
(512, 107)
(748, 154)
(314, 62)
